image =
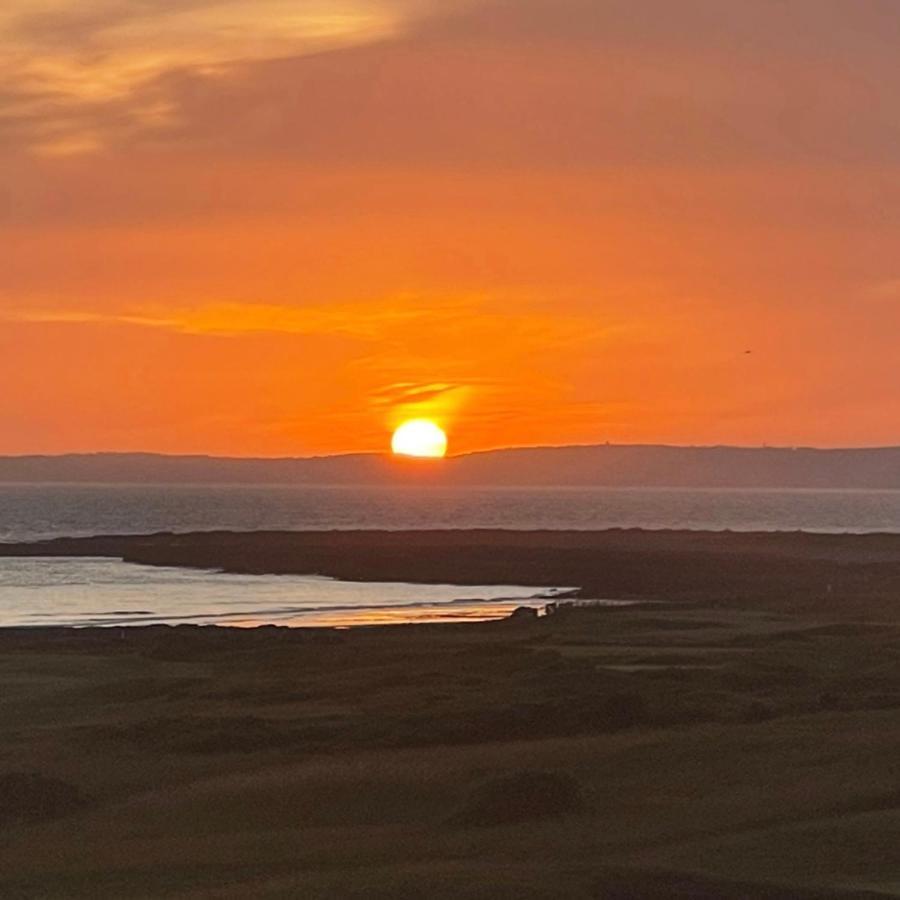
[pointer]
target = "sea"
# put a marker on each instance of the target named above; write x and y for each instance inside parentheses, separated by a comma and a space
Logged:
(82, 592)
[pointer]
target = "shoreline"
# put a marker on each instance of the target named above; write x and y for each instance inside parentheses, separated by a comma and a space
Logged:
(824, 571)
(108, 592)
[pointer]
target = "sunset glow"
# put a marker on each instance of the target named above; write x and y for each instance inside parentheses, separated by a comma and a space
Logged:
(420, 437)
(275, 228)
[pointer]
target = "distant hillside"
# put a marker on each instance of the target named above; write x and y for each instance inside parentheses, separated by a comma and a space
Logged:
(607, 465)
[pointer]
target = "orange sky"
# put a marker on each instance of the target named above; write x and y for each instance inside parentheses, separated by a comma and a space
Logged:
(266, 227)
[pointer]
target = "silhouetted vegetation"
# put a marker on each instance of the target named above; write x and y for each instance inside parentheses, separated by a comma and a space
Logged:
(521, 797)
(31, 796)
(664, 750)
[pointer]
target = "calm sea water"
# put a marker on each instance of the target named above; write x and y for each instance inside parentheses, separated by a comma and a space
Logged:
(40, 511)
(80, 592)
(108, 592)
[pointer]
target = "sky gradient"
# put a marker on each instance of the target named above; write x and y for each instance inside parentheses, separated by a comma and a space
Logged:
(275, 227)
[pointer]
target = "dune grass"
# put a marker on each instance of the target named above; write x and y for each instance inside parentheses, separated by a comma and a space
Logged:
(458, 761)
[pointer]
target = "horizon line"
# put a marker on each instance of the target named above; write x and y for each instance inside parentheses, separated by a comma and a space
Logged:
(387, 454)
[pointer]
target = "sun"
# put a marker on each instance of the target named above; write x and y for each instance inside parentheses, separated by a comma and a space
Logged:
(420, 437)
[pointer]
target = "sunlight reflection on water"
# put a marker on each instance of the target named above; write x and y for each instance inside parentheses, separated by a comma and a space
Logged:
(80, 592)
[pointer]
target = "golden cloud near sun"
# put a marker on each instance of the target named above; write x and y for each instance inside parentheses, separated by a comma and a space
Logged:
(420, 437)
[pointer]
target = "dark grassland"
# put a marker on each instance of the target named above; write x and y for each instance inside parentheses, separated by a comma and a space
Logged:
(735, 737)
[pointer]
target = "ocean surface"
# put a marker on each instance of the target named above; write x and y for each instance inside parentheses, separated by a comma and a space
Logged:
(30, 512)
(108, 592)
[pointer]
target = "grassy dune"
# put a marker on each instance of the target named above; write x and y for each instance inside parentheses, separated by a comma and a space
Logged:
(664, 751)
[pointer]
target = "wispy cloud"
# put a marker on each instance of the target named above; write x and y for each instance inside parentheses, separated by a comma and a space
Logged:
(80, 72)
(432, 321)
(362, 320)
(540, 82)
(409, 392)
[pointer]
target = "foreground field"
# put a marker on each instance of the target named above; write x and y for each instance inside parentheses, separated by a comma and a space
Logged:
(669, 750)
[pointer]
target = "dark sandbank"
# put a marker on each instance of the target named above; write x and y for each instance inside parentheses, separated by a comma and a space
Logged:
(844, 571)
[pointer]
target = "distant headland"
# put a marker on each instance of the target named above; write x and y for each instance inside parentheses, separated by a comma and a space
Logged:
(608, 465)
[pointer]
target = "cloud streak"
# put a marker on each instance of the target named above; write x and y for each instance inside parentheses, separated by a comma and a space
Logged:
(83, 75)
(534, 82)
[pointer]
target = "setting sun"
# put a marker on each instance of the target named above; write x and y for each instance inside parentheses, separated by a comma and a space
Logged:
(419, 437)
